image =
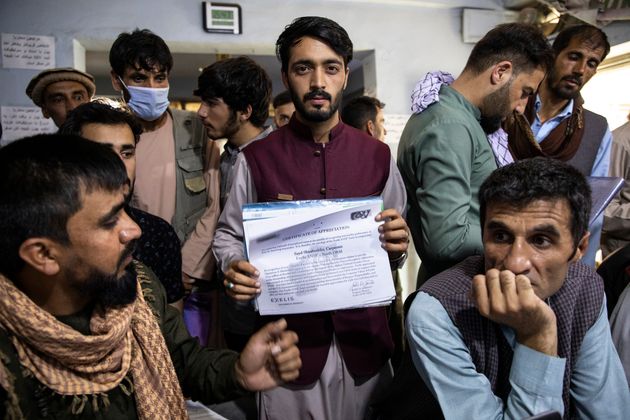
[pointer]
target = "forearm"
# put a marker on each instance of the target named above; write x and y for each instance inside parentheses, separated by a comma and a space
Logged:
(228, 241)
(394, 193)
(449, 238)
(197, 258)
(205, 375)
(598, 385)
(536, 380)
(444, 362)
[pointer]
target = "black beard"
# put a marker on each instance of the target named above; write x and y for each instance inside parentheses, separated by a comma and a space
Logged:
(318, 115)
(490, 124)
(554, 86)
(110, 290)
(230, 128)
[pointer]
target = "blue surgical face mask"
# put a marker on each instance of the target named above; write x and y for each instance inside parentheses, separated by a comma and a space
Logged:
(147, 103)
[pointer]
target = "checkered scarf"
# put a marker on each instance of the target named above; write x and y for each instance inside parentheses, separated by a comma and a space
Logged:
(124, 340)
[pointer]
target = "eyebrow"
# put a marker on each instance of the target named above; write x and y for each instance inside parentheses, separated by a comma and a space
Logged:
(493, 224)
(311, 62)
(123, 147)
(581, 54)
(547, 228)
(143, 72)
(114, 211)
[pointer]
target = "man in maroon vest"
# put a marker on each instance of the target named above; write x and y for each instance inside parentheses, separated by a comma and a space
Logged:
(345, 353)
(522, 329)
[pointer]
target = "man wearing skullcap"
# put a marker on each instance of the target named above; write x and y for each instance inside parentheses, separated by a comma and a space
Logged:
(58, 91)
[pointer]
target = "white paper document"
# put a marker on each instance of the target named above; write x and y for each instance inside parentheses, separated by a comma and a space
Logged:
(21, 51)
(318, 255)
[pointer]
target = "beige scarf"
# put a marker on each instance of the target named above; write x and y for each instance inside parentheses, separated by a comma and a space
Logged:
(125, 339)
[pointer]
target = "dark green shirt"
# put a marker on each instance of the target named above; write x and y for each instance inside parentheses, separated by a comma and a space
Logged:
(443, 157)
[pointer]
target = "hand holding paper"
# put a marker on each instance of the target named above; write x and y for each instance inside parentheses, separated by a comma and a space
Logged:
(320, 255)
(241, 281)
(394, 233)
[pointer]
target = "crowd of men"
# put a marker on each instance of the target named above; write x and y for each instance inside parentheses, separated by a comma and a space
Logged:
(125, 288)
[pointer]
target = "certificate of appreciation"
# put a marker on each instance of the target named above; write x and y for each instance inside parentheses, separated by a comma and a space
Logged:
(318, 255)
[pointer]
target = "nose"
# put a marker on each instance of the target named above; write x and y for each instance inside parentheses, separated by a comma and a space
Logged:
(130, 230)
(202, 112)
(71, 104)
(521, 105)
(317, 79)
(580, 67)
(517, 259)
(153, 83)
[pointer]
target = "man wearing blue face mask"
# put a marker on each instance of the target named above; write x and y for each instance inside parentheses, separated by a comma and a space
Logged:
(177, 174)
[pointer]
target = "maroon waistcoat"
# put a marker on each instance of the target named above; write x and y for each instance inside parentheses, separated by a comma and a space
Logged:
(289, 165)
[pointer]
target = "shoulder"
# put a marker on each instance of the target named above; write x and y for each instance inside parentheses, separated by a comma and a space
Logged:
(152, 225)
(595, 116)
(457, 280)
(441, 127)
(188, 122)
(426, 312)
(595, 121)
(621, 135)
(180, 116)
(583, 276)
(582, 292)
(152, 290)
(264, 143)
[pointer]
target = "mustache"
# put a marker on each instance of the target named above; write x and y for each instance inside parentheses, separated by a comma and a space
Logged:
(317, 93)
(574, 79)
(130, 248)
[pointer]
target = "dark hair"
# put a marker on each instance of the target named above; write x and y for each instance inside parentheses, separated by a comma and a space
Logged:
(519, 184)
(326, 30)
(587, 34)
(99, 113)
(140, 49)
(239, 82)
(358, 111)
(522, 44)
(42, 182)
(282, 98)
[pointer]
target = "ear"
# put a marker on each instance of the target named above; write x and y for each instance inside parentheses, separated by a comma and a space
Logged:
(41, 254)
(582, 247)
(285, 80)
(244, 116)
(369, 127)
(501, 72)
(115, 81)
(45, 112)
(345, 83)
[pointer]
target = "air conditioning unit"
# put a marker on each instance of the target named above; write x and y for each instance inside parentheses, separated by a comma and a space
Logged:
(477, 22)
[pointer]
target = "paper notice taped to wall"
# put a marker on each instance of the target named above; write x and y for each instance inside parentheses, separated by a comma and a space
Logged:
(394, 124)
(23, 121)
(35, 52)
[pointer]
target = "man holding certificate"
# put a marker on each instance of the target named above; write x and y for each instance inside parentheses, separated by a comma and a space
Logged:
(345, 353)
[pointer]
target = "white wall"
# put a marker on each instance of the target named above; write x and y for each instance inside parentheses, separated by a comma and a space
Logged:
(408, 40)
